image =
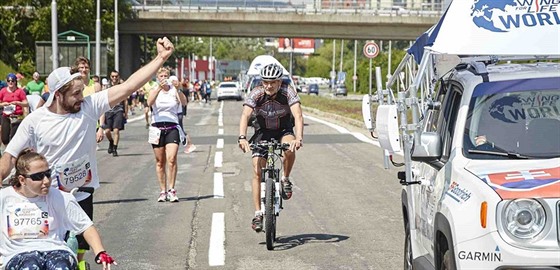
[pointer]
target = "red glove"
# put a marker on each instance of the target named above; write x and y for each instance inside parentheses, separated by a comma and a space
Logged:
(103, 257)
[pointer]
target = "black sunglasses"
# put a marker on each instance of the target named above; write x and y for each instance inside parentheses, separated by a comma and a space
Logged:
(40, 175)
(10, 81)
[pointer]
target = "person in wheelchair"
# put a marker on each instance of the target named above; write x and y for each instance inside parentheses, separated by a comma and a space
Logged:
(36, 217)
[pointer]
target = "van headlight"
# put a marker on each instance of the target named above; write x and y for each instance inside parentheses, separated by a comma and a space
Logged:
(523, 219)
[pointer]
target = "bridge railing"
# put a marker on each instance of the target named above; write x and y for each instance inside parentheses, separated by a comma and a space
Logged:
(381, 7)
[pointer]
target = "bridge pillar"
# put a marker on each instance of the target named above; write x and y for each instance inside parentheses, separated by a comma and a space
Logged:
(129, 54)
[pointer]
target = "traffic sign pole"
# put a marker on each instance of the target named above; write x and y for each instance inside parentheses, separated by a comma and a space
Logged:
(371, 50)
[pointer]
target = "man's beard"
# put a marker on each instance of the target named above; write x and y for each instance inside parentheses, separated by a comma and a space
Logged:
(70, 108)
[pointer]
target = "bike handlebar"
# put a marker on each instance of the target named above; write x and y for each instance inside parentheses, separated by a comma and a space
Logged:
(265, 144)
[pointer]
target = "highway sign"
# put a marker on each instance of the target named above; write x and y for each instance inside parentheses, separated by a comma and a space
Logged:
(371, 50)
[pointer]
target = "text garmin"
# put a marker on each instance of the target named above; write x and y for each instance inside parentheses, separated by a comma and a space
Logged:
(480, 256)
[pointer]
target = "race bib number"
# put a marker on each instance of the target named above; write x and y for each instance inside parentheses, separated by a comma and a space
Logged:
(153, 135)
(74, 174)
(28, 220)
(9, 109)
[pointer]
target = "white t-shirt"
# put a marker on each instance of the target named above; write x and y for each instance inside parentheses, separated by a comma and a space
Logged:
(24, 221)
(165, 109)
(33, 101)
(67, 141)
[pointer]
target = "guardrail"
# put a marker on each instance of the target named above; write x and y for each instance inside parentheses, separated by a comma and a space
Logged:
(383, 7)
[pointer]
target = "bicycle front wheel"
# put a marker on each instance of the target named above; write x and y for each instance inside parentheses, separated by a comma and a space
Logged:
(270, 216)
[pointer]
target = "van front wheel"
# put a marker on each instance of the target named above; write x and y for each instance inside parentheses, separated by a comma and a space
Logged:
(407, 249)
(447, 262)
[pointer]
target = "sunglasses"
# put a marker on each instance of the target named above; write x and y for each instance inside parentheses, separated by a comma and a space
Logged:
(114, 76)
(40, 175)
(11, 81)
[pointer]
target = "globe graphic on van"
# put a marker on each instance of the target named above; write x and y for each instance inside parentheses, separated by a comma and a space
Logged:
(483, 10)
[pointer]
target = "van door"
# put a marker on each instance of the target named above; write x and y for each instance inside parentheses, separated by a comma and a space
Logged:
(441, 120)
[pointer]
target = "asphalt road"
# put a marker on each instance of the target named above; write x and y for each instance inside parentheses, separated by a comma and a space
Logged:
(345, 212)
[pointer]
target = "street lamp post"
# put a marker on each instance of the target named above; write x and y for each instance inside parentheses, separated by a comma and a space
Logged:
(98, 40)
(54, 35)
(210, 62)
(117, 35)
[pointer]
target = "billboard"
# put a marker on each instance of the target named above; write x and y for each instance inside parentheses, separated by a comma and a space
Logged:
(296, 45)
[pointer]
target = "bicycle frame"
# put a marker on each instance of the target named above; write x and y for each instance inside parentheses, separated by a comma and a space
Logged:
(271, 197)
(270, 171)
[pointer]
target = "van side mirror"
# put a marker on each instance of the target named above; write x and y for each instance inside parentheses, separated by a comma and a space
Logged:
(427, 148)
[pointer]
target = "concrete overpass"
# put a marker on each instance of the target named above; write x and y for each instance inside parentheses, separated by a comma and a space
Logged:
(357, 23)
(342, 24)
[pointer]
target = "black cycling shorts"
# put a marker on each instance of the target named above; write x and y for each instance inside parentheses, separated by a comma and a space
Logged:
(267, 135)
(167, 135)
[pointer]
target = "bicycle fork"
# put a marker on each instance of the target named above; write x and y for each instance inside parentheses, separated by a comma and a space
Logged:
(277, 193)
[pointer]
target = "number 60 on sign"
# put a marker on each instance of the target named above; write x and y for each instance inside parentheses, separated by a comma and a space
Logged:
(371, 50)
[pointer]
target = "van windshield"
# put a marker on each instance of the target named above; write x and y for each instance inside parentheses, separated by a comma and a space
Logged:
(514, 119)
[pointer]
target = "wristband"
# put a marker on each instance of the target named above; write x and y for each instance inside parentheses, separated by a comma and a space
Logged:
(103, 257)
(241, 137)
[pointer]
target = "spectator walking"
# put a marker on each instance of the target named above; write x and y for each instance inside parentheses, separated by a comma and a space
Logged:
(165, 133)
(91, 85)
(207, 89)
(36, 86)
(115, 119)
(13, 100)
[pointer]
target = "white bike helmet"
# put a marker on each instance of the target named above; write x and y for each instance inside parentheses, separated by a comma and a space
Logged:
(271, 72)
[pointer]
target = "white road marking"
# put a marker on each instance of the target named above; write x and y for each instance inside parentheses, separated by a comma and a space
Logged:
(220, 143)
(220, 131)
(216, 251)
(218, 158)
(343, 130)
(218, 185)
(221, 115)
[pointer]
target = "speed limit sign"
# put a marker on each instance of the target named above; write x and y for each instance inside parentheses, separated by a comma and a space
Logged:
(371, 50)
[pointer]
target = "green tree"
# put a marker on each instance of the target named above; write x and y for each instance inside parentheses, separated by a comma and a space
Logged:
(34, 18)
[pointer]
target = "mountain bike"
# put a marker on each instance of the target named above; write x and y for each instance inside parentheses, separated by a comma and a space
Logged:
(271, 188)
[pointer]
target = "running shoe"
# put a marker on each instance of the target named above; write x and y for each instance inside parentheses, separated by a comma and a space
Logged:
(162, 196)
(286, 189)
(172, 195)
(111, 146)
(256, 224)
(190, 148)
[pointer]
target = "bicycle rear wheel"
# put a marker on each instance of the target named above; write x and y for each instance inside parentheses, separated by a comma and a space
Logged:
(270, 216)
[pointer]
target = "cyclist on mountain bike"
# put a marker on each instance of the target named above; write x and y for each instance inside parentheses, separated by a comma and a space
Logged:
(277, 108)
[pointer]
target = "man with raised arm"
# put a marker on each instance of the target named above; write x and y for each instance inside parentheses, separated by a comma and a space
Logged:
(62, 130)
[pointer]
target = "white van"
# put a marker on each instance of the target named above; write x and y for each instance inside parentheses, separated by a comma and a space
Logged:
(475, 115)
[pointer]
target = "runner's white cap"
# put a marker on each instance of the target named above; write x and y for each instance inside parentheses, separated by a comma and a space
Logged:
(57, 79)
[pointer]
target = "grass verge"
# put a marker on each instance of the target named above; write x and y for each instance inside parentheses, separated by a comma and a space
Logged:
(347, 108)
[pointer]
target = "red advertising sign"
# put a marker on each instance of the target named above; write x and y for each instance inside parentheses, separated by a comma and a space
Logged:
(296, 45)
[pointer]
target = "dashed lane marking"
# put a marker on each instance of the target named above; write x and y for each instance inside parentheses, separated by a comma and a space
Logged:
(216, 251)
(218, 185)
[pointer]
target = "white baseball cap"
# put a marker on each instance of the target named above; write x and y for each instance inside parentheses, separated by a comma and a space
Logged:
(57, 79)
